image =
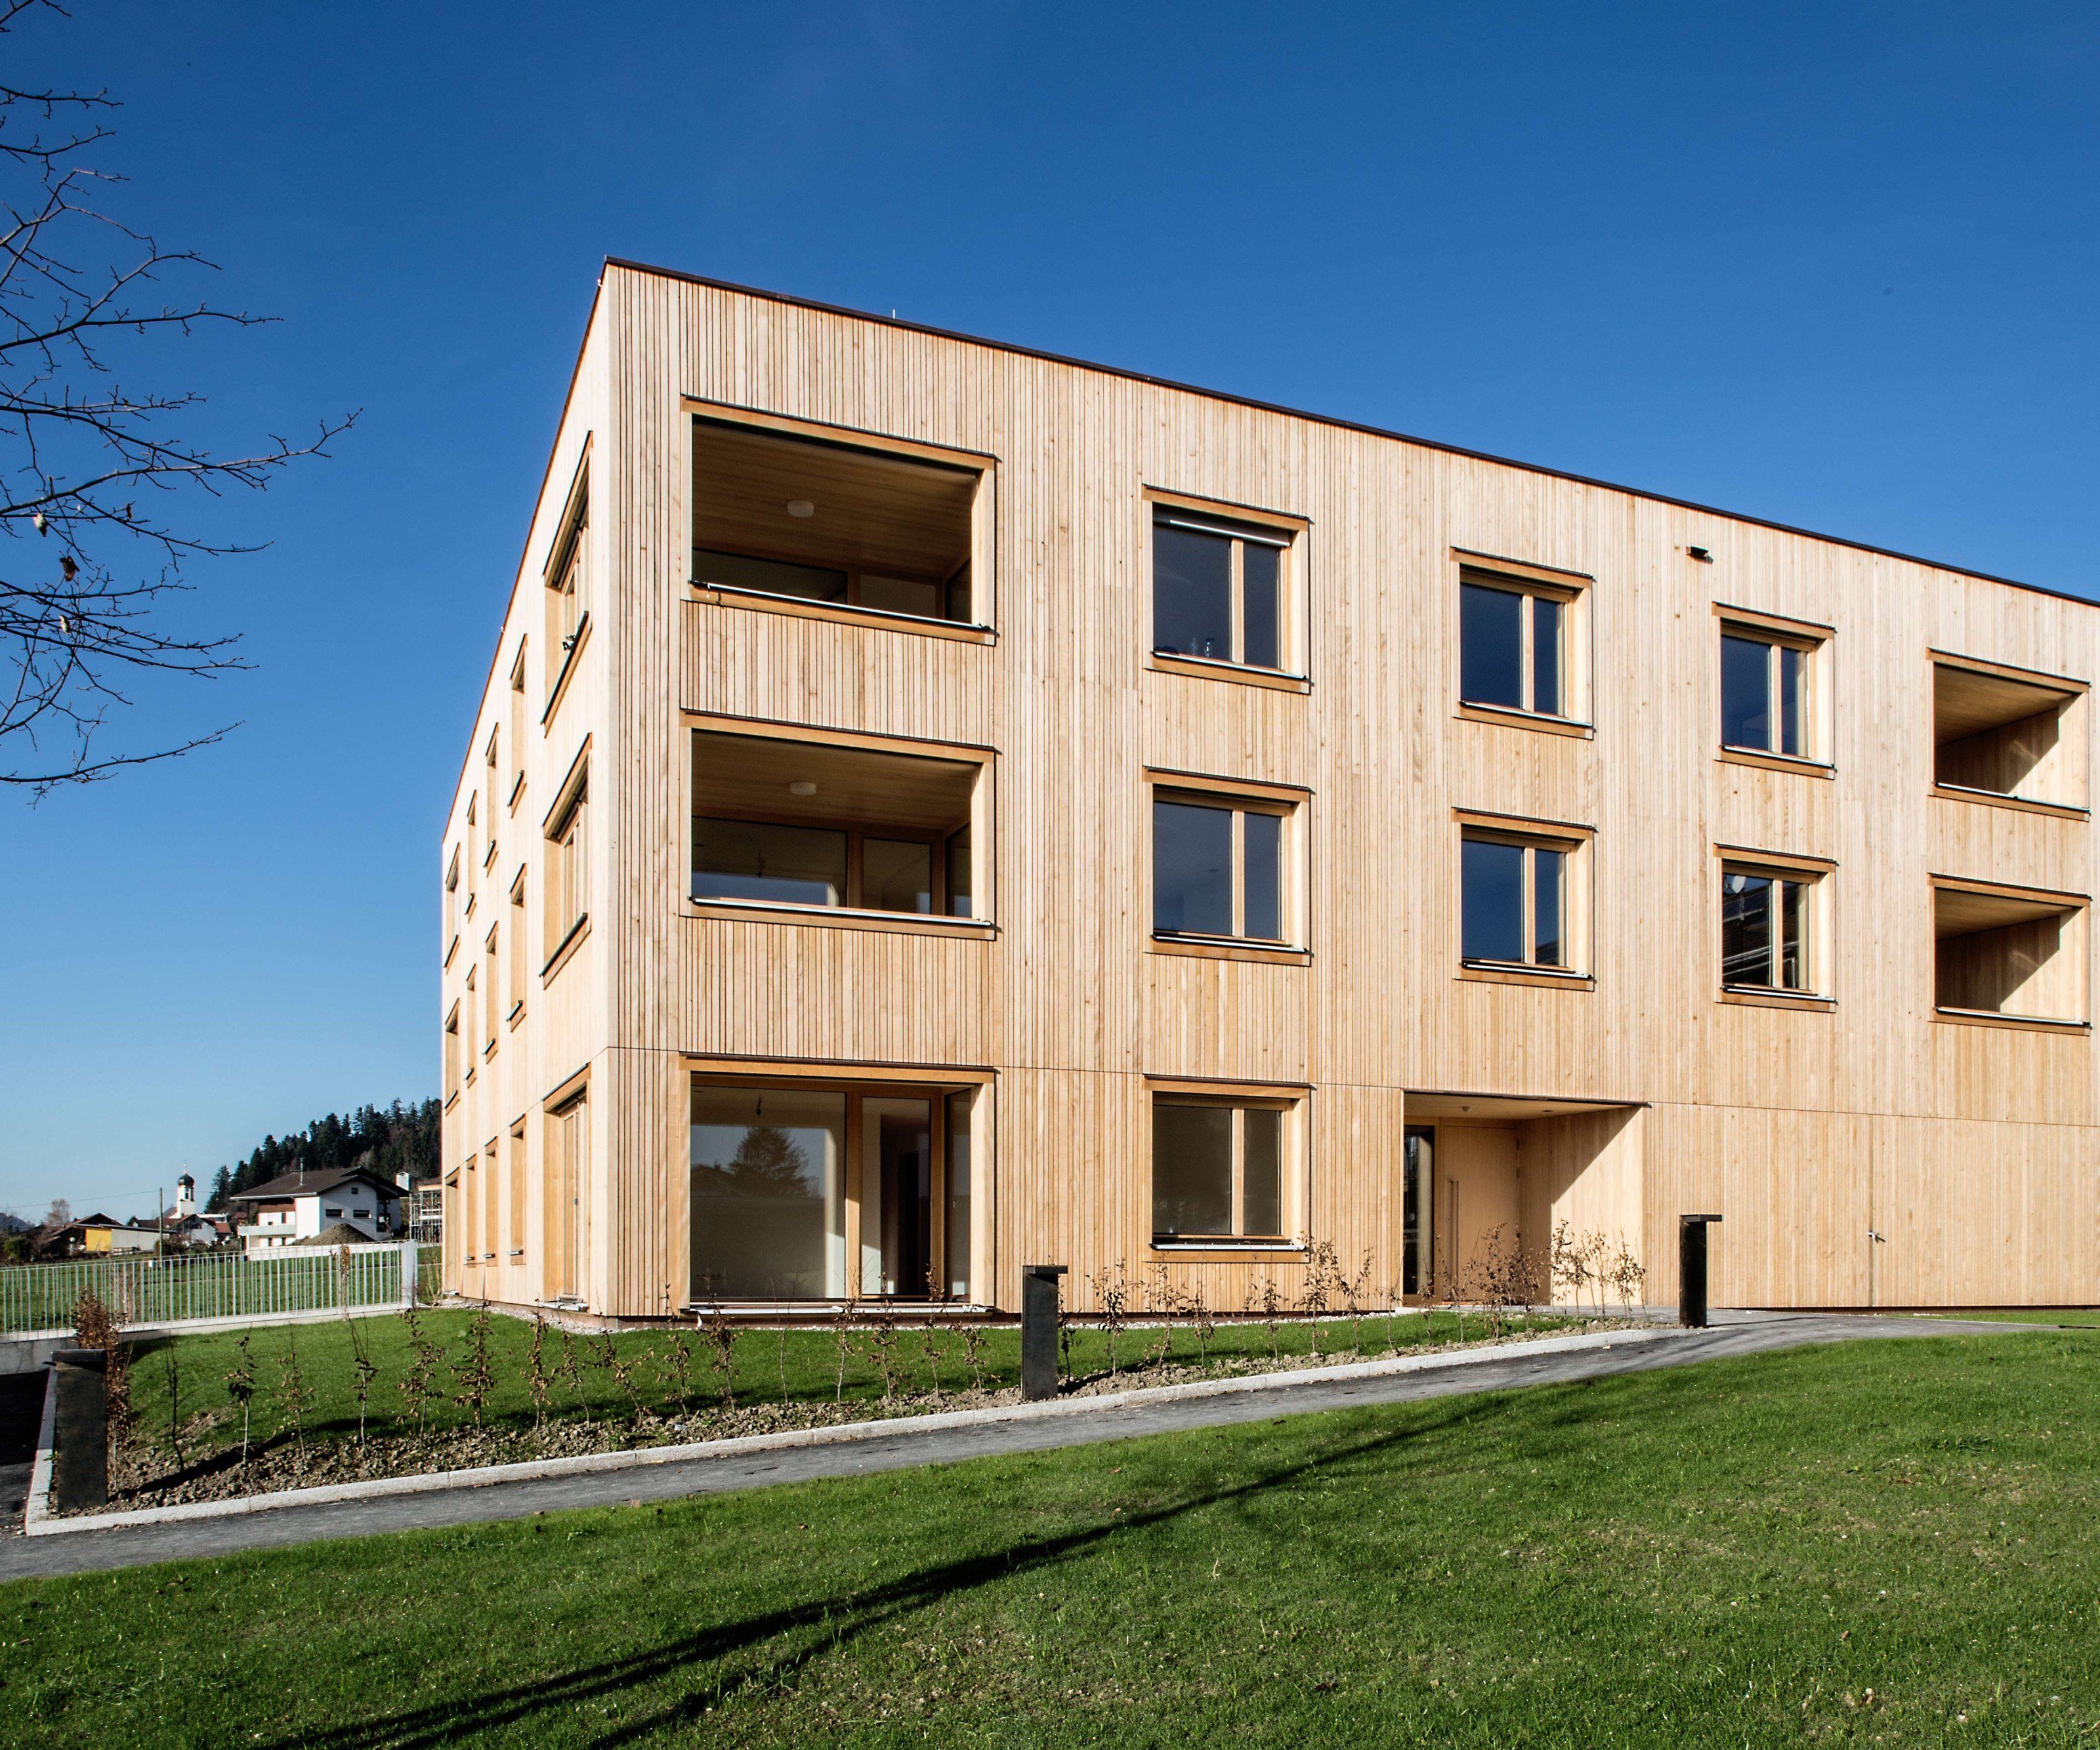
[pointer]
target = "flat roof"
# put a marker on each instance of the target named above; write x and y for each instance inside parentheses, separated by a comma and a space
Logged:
(1339, 424)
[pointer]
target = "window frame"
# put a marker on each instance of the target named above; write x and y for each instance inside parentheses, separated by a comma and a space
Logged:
(1813, 642)
(854, 890)
(1289, 806)
(1535, 582)
(1818, 956)
(1576, 844)
(565, 880)
(1289, 534)
(1292, 1102)
(566, 579)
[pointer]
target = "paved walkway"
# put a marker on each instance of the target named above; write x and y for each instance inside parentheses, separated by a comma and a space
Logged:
(1494, 1370)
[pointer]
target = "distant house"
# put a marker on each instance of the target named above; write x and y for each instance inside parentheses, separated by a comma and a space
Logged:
(72, 1240)
(294, 1207)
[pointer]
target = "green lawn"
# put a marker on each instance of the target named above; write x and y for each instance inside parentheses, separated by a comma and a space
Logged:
(809, 1359)
(1874, 1543)
(2081, 1316)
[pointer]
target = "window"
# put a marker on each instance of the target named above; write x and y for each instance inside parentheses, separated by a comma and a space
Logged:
(782, 1177)
(1765, 685)
(331, 1214)
(1218, 588)
(566, 1224)
(1217, 1169)
(567, 894)
(1514, 895)
(492, 1008)
(1765, 942)
(807, 519)
(518, 724)
(1217, 867)
(452, 900)
(466, 1023)
(451, 1053)
(1512, 647)
(489, 1210)
(514, 1162)
(786, 823)
(517, 968)
(568, 601)
(469, 1212)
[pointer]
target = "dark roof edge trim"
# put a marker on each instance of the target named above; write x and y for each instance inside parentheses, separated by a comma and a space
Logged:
(1338, 424)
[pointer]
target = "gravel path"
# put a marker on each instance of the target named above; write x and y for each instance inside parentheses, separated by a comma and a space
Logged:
(1490, 1370)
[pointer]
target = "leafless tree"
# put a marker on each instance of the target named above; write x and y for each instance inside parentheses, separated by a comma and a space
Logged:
(101, 477)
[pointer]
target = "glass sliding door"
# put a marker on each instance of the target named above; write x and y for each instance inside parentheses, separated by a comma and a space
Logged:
(768, 1190)
(1417, 1256)
(955, 1237)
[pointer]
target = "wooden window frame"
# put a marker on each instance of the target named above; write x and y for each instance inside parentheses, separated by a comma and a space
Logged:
(1819, 959)
(856, 835)
(567, 587)
(1577, 844)
(518, 970)
(1534, 583)
(1814, 643)
(566, 881)
(1240, 798)
(1293, 1101)
(1290, 534)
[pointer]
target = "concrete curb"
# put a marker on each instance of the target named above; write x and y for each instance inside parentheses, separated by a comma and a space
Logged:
(36, 1509)
(37, 1520)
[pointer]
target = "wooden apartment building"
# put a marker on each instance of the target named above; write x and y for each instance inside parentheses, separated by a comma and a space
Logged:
(936, 807)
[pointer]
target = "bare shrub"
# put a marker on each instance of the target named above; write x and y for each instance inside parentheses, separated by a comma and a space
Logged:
(1356, 1292)
(362, 1365)
(882, 1346)
(928, 1332)
(572, 1371)
(1630, 1277)
(1203, 1321)
(1267, 1298)
(174, 1403)
(473, 1374)
(537, 1384)
(96, 1324)
(1112, 1295)
(720, 1330)
(842, 1325)
(294, 1393)
(418, 1380)
(1323, 1273)
(241, 1388)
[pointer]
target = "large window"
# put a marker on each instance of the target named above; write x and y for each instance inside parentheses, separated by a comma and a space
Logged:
(1217, 868)
(1512, 647)
(2006, 733)
(1765, 706)
(2008, 952)
(1218, 588)
(1514, 902)
(1765, 939)
(1217, 1169)
(783, 1178)
(781, 823)
(806, 519)
(568, 603)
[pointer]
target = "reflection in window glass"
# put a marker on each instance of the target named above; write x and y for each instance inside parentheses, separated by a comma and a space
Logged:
(1192, 1169)
(1262, 1173)
(1793, 699)
(1191, 592)
(1260, 593)
(1764, 931)
(1192, 880)
(742, 859)
(1490, 646)
(896, 874)
(768, 1197)
(1745, 693)
(1491, 899)
(1262, 885)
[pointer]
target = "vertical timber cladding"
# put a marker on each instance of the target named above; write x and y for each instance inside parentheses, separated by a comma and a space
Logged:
(1968, 1144)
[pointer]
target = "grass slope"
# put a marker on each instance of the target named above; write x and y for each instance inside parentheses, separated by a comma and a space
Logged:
(1870, 1544)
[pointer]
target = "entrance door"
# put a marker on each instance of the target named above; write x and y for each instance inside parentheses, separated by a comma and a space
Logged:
(897, 1210)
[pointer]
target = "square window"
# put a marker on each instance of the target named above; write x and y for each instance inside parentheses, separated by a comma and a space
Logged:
(1218, 588)
(1765, 943)
(1513, 646)
(1766, 693)
(1515, 901)
(1217, 1169)
(1217, 868)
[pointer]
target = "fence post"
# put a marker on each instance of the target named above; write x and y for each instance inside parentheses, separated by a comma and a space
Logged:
(408, 1262)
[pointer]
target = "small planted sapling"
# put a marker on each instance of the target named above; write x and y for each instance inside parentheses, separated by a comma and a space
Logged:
(241, 1388)
(536, 1381)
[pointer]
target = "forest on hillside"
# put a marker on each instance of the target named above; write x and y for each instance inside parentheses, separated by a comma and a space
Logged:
(387, 1140)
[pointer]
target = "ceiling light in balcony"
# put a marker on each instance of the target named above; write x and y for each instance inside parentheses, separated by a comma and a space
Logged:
(802, 787)
(800, 507)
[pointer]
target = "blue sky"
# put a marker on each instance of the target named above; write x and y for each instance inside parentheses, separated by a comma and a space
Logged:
(1832, 266)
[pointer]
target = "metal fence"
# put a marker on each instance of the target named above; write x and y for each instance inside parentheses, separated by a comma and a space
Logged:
(147, 1290)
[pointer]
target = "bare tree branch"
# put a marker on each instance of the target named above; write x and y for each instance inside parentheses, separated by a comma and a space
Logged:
(98, 479)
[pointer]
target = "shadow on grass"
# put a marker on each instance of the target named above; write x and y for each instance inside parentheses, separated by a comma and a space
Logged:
(809, 1630)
